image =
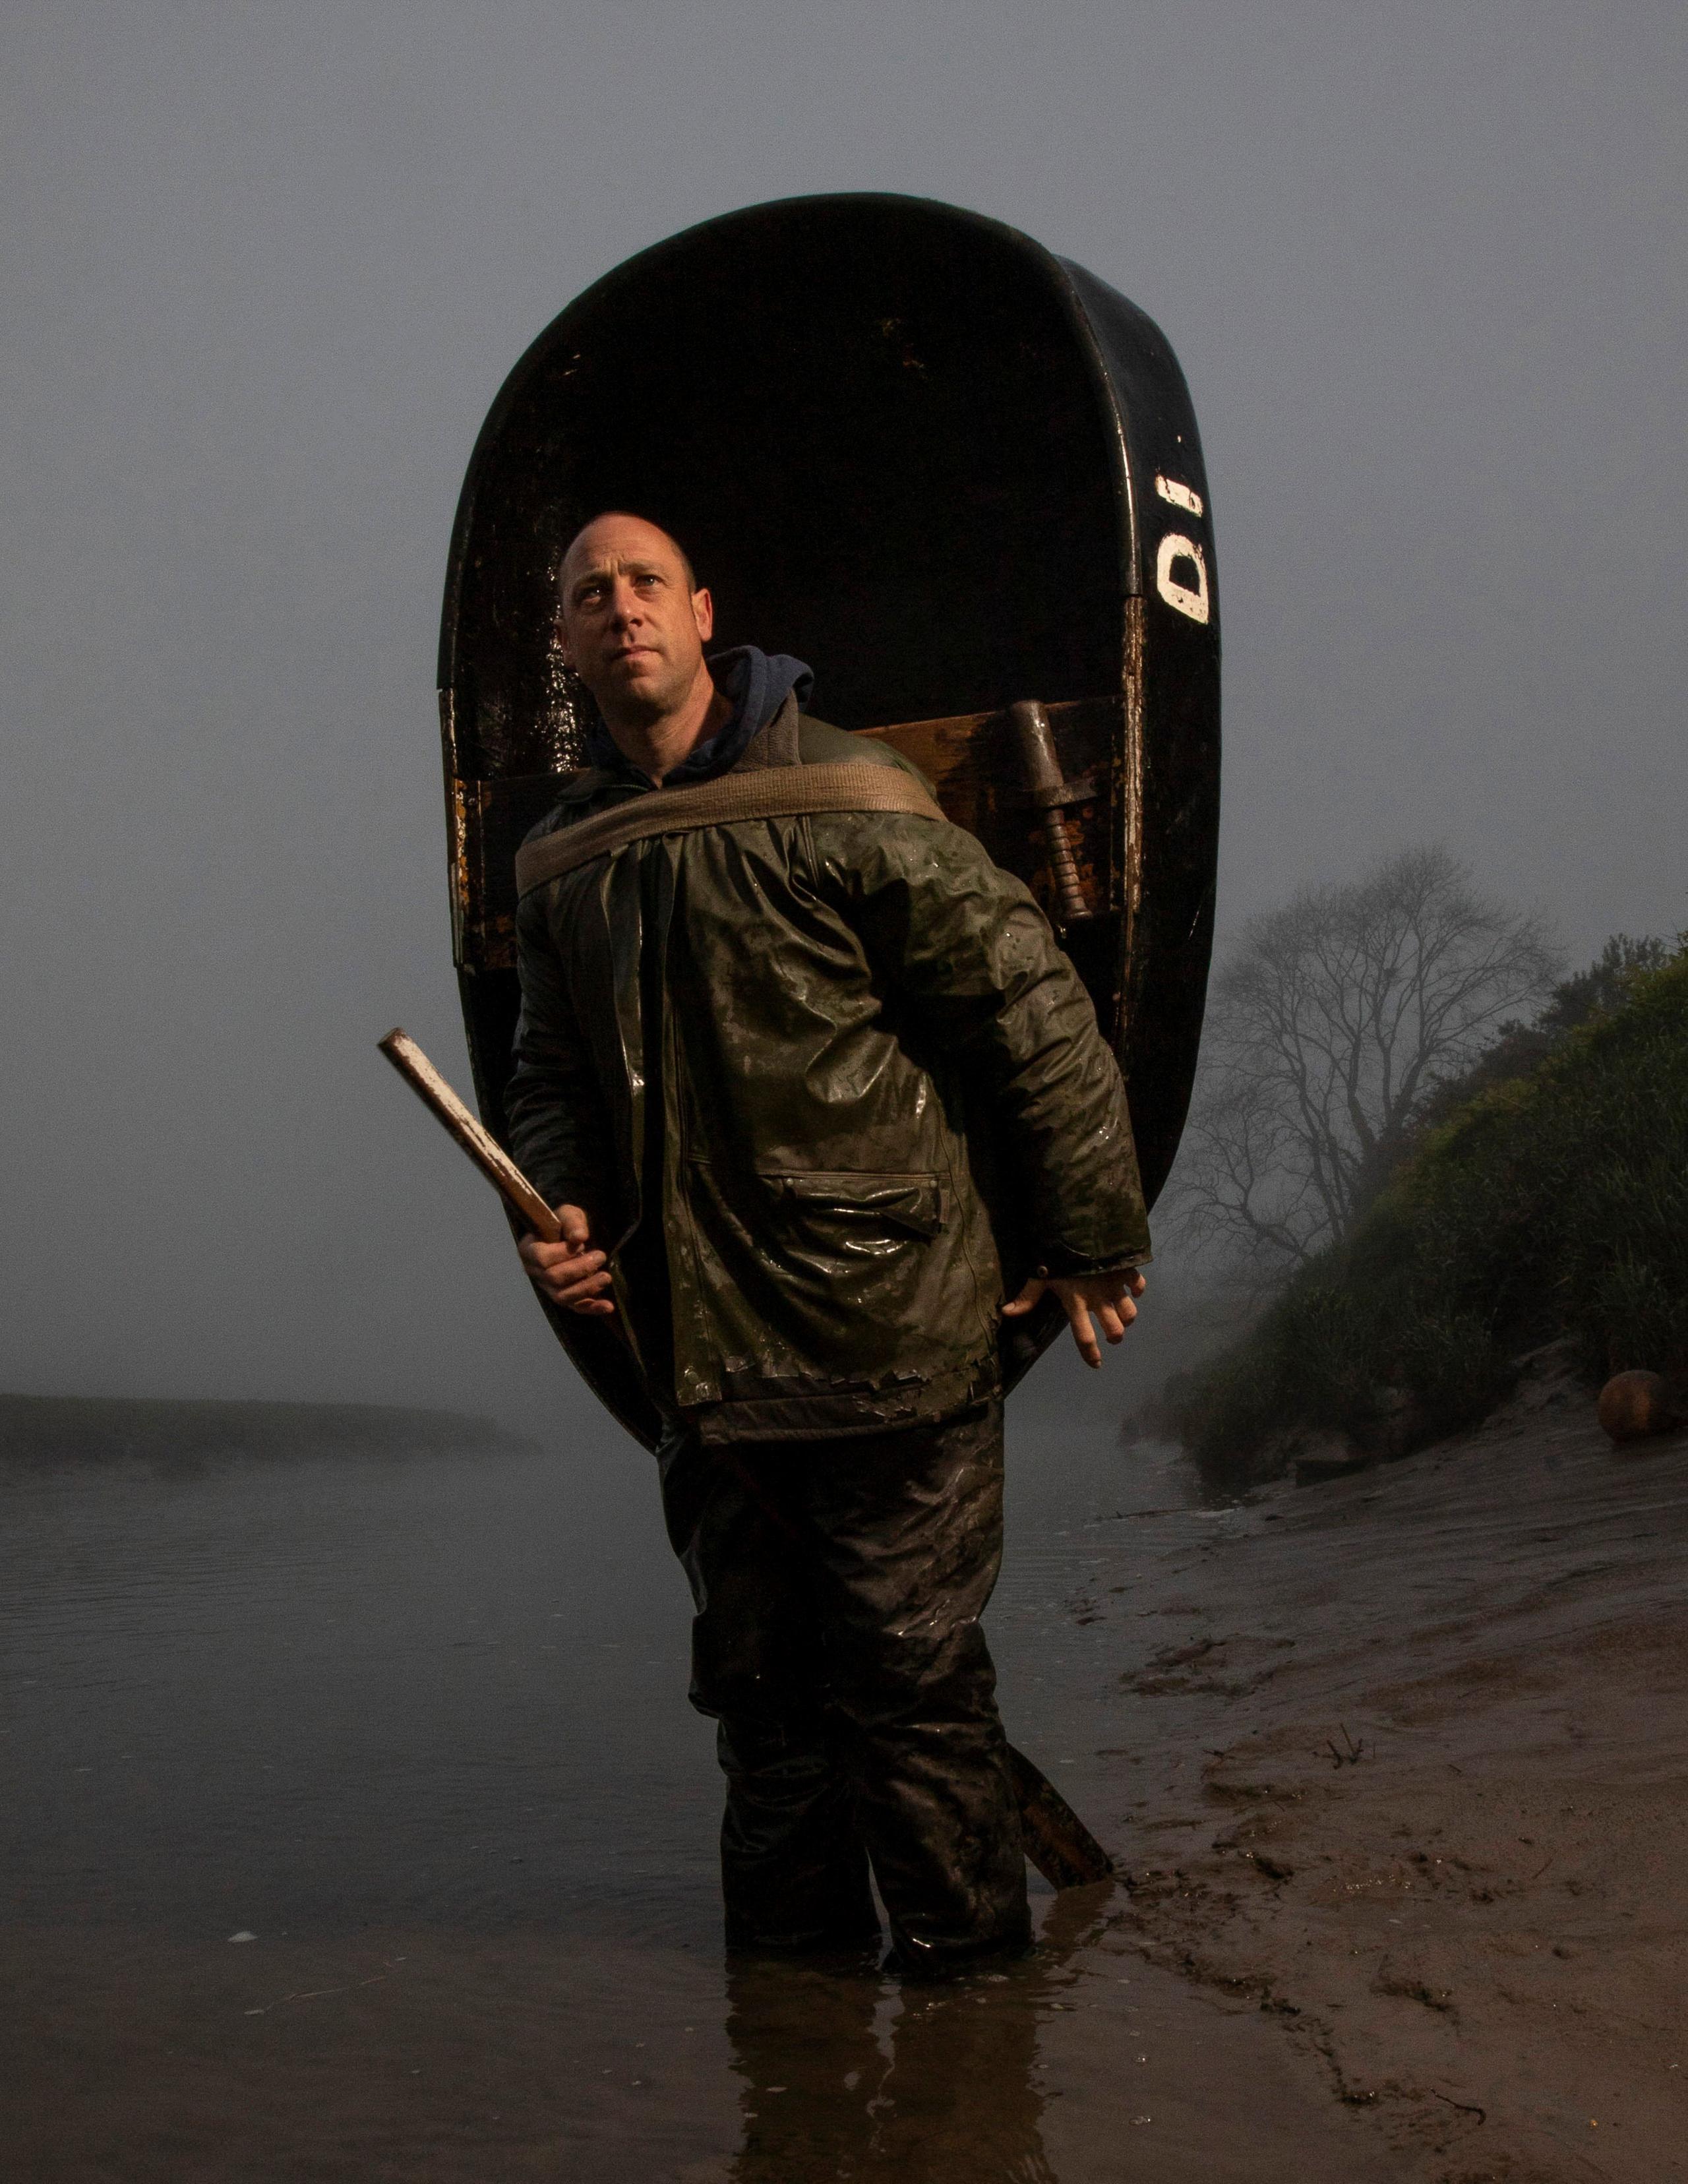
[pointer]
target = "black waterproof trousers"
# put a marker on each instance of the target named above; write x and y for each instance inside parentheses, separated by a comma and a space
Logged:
(839, 1588)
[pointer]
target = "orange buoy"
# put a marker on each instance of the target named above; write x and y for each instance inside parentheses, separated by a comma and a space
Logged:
(1633, 1406)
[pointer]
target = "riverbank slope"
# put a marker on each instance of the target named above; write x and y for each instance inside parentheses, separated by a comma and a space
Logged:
(1441, 1830)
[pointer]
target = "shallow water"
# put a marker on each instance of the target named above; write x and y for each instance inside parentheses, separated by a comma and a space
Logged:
(418, 1728)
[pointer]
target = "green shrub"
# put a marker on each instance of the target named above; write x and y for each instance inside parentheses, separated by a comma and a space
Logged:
(1452, 1369)
(1555, 1204)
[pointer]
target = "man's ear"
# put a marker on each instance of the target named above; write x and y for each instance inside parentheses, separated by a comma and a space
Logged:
(703, 613)
(561, 628)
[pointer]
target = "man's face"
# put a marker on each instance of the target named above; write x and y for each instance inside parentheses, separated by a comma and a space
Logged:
(631, 625)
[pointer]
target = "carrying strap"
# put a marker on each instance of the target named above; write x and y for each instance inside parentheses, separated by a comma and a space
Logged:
(781, 792)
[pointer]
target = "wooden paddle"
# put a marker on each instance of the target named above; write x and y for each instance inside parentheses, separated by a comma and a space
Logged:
(476, 1140)
(1056, 1841)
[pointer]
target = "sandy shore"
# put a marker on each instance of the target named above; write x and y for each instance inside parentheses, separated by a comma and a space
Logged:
(1441, 1828)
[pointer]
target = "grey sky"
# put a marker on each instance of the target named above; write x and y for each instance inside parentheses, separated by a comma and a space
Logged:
(264, 269)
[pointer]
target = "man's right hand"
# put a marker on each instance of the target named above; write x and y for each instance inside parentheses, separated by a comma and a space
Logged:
(572, 1274)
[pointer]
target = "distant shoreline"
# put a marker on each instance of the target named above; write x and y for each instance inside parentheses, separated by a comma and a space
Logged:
(164, 1430)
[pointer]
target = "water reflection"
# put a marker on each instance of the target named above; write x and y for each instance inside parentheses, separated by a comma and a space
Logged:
(843, 2081)
(846, 2077)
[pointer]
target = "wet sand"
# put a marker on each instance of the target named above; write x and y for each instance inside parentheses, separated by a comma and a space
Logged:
(341, 1707)
(1476, 1917)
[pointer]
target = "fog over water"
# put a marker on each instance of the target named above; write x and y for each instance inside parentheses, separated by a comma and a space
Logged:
(264, 272)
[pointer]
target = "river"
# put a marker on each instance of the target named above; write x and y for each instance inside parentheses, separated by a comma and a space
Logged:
(357, 1827)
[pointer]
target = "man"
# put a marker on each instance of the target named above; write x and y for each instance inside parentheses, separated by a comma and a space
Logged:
(761, 1065)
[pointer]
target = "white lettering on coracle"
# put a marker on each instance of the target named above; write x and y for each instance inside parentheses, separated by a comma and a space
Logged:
(1181, 496)
(1177, 552)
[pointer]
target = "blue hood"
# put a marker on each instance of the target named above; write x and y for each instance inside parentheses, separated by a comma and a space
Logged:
(757, 683)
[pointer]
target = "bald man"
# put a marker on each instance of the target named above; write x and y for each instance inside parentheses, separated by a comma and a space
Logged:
(759, 1061)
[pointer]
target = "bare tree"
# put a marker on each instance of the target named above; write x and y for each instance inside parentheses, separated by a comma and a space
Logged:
(1328, 1024)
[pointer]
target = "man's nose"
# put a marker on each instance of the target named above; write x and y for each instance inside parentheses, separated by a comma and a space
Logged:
(623, 604)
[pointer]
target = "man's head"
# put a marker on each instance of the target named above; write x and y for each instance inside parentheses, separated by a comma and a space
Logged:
(634, 619)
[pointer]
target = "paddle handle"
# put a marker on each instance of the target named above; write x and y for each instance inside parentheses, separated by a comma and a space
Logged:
(487, 1155)
(1040, 771)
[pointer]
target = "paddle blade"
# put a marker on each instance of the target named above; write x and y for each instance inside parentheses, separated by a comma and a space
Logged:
(1057, 1842)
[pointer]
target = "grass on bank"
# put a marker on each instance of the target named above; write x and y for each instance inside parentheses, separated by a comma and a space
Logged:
(1553, 1204)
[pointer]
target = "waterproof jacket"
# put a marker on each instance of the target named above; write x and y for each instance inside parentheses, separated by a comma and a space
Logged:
(778, 1062)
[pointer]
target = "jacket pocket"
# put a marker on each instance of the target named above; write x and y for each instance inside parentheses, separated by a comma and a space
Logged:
(864, 1210)
(824, 1280)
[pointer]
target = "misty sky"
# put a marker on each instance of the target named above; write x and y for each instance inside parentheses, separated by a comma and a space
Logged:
(264, 269)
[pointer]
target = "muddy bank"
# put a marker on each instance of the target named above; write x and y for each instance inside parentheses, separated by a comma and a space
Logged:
(1412, 1771)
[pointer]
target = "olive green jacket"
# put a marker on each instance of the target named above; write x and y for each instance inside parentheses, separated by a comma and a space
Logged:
(828, 1045)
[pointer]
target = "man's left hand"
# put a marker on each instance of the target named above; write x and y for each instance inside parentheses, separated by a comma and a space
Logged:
(1108, 1296)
